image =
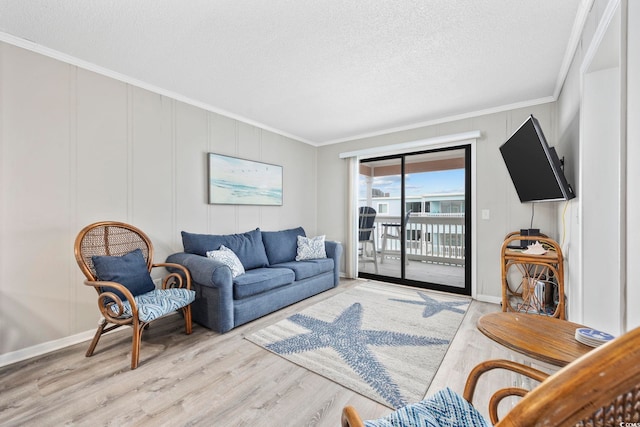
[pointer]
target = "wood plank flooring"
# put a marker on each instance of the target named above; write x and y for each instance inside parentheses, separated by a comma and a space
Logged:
(209, 379)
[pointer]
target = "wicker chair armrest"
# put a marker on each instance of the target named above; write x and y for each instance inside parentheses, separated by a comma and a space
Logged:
(181, 279)
(107, 299)
(351, 418)
(498, 396)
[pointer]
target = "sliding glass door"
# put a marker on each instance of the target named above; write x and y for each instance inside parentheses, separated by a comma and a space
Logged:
(421, 231)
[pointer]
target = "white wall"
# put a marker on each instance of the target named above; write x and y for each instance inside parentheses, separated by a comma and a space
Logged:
(600, 200)
(603, 299)
(495, 190)
(77, 147)
(633, 160)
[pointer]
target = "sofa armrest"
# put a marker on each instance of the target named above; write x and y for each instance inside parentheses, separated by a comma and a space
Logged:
(213, 284)
(334, 250)
(205, 271)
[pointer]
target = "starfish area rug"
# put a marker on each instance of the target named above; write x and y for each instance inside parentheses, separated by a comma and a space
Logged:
(383, 341)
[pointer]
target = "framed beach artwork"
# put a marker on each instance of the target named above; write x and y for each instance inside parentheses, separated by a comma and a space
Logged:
(235, 181)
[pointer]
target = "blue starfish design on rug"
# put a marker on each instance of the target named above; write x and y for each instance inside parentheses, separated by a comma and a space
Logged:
(433, 306)
(346, 336)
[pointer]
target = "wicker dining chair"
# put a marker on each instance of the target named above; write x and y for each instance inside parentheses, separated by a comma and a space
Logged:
(116, 258)
(601, 388)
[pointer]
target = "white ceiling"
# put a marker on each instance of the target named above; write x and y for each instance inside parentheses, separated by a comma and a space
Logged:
(320, 71)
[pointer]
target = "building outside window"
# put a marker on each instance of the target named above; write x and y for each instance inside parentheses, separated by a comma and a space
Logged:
(413, 207)
(452, 206)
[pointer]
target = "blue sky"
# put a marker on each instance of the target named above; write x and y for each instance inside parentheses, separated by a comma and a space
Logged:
(449, 181)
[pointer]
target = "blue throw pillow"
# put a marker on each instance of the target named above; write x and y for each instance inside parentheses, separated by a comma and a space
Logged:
(248, 246)
(129, 270)
(281, 246)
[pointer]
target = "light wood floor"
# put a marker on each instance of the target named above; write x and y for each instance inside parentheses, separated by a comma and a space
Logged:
(209, 379)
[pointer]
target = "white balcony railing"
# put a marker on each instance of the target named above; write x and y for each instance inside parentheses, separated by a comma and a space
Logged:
(436, 238)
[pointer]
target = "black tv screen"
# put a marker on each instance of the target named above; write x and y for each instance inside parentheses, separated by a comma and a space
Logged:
(534, 167)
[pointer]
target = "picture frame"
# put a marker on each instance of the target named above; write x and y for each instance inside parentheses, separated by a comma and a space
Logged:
(237, 181)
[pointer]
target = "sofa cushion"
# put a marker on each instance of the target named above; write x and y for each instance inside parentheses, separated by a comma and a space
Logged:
(281, 246)
(260, 280)
(306, 269)
(130, 270)
(248, 246)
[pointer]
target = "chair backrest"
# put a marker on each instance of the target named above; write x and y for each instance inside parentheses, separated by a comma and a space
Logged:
(366, 219)
(600, 388)
(109, 238)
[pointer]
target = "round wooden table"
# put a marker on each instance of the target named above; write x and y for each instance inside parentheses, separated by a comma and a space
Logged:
(543, 338)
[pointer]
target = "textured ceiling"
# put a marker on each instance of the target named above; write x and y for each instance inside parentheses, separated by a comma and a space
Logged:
(321, 71)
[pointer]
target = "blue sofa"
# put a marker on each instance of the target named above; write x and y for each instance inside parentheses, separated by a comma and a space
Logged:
(273, 279)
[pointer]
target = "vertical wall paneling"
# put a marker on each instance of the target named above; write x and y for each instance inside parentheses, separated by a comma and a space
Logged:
(103, 169)
(102, 148)
(4, 332)
(35, 197)
(177, 240)
(223, 140)
(75, 277)
(305, 205)
(272, 217)
(151, 169)
(209, 149)
(191, 192)
(129, 126)
(492, 192)
(249, 148)
(78, 147)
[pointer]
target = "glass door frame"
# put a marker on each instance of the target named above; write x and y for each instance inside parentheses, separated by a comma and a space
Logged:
(402, 280)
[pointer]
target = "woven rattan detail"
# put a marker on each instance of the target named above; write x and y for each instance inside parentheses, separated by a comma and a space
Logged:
(111, 240)
(624, 409)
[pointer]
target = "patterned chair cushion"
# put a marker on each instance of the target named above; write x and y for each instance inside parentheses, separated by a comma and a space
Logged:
(311, 248)
(444, 409)
(157, 303)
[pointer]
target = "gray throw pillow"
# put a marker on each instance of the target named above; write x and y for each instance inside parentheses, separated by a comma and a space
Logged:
(228, 258)
(311, 248)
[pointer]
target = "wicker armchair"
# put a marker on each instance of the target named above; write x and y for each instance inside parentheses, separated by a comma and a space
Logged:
(602, 388)
(123, 304)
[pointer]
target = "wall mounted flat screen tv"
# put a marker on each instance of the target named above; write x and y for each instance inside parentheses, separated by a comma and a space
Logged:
(535, 169)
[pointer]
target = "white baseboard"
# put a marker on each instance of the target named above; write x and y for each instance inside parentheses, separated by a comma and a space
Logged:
(40, 349)
(489, 298)
(49, 346)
